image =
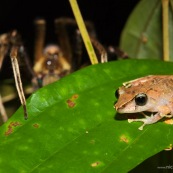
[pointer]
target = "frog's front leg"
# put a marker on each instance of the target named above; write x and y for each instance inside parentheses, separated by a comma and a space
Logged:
(148, 119)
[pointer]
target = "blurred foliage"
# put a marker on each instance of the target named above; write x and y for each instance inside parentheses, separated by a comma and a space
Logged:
(142, 35)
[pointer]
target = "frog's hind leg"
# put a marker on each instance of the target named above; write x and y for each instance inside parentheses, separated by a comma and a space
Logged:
(147, 120)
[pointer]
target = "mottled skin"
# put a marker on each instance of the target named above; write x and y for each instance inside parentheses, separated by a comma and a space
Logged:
(159, 92)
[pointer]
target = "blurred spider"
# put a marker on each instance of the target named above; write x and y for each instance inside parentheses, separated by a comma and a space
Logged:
(51, 62)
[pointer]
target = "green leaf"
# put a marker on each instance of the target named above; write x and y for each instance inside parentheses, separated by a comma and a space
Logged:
(72, 125)
(142, 36)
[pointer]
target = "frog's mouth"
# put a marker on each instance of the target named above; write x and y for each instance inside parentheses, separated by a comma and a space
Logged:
(129, 107)
(123, 110)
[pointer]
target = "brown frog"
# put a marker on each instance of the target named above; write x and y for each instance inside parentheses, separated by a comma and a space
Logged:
(152, 93)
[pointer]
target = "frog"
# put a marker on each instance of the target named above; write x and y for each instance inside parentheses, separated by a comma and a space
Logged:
(152, 94)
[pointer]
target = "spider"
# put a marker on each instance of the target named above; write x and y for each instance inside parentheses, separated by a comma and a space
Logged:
(51, 62)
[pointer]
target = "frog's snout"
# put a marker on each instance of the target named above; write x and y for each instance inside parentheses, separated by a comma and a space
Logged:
(115, 106)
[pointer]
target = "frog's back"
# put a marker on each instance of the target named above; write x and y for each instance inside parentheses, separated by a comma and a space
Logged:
(161, 82)
(158, 87)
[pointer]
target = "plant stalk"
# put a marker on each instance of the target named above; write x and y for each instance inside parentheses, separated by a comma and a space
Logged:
(165, 23)
(83, 31)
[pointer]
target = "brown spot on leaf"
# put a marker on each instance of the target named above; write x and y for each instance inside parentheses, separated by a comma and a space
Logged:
(95, 164)
(124, 139)
(71, 102)
(36, 125)
(92, 141)
(11, 127)
(75, 96)
(144, 39)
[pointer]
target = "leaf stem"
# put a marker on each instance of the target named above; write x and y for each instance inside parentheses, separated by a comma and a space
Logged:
(165, 23)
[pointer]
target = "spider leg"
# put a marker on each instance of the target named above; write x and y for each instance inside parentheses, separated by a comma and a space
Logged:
(4, 45)
(100, 48)
(17, 77)
(4, 42)
(40, 29)
(2, 111)
(61, 30)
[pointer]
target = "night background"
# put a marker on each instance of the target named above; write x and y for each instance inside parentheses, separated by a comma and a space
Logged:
(108, 17)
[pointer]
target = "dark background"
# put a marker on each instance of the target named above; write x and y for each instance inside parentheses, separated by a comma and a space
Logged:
(109, 16)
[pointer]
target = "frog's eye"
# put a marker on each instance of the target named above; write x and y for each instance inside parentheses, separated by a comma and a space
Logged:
(117, 93)
(141, 99)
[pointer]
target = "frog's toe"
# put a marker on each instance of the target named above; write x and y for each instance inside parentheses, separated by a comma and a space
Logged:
(130, 120)
(141, 127)
(137, 120)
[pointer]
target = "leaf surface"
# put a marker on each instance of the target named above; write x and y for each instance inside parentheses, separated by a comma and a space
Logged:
(72, 125)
